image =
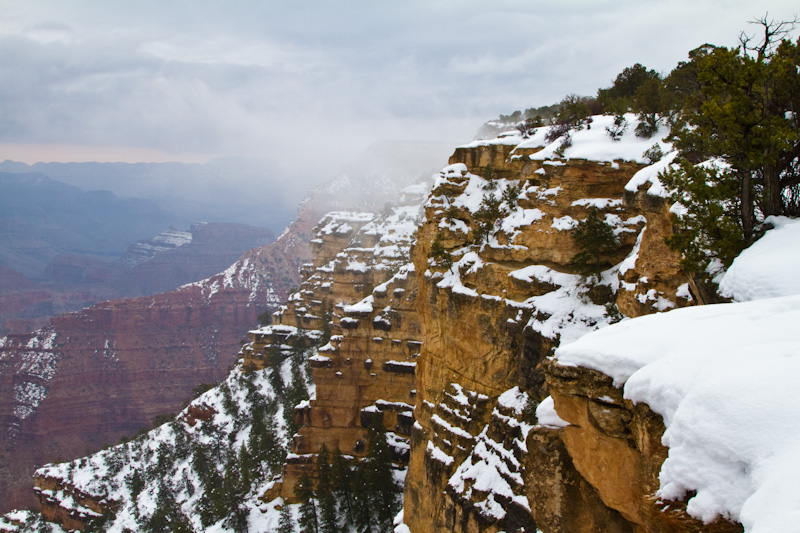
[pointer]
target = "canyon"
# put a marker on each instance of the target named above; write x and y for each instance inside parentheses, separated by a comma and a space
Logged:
(440, 316)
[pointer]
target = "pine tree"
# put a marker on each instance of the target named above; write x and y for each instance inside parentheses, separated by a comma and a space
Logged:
(286, 520)
(275, 360)
(304, 491)
(362, 499)
(595, 239)
(341, 485)
(380, 475)
(324, 494)
(295, 393)
(742, 113)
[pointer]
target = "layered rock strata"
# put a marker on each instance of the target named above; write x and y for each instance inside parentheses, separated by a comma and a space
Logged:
(493, 307)
(96, 375)
(361, 291)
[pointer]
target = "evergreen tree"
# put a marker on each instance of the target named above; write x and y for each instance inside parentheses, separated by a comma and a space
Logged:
(275, 360)
(595, 239)
(324, 494)
(619, 98)
(743, 114)
(286, 521)
(362, 501)
(295, 393)
(375, 495)
(341, 485)
(304, 491)
(167, 515)
(380, 476)
(263, 442)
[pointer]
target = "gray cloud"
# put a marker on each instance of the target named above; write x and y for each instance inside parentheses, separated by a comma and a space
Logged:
(312, 83)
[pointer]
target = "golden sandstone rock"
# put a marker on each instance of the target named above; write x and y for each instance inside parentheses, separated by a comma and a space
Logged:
(467, 346)
(446, 336)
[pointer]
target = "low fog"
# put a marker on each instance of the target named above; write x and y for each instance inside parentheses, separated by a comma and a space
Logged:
(306, 87)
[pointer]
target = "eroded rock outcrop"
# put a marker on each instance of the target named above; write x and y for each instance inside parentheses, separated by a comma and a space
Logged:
(451, 350)
(361, 290)
(499, 289)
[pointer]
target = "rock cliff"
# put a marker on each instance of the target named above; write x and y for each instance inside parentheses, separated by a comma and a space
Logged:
(440, 317)
(173, 258)
(90, 377)
(492, 311)
(361, 290)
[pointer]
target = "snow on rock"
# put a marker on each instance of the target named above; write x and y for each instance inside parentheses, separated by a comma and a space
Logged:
(595, 144)
(364, 306)
(769, 267)
(599, 203)
(723, 377)
(547, 416)
(519, 218)
(650, 174)
(565, 223)
(179, 456)
(562, 312)
(508, 138)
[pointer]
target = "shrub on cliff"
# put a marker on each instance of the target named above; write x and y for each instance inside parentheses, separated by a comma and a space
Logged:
(616, 130)
(484, 219)
(439, 254)
(528, 127)
(595, 239)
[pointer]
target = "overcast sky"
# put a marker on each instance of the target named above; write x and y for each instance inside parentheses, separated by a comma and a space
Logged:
(309, 84)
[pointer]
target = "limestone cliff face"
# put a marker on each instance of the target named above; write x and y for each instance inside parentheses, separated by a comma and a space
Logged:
(361, 290)
(490, 321)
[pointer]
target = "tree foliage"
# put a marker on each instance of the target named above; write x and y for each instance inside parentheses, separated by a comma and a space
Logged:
(595, 239)
(743, 114)
(574, 113)
(304, 490)
(619, 98)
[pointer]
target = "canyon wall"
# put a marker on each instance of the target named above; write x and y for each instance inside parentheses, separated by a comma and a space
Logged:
(90, 377)
(441, 315)
(481, 458)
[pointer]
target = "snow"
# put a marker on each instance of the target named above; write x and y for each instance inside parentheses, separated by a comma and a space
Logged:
(564, 223)
(595, 144)
(547, 416)
(519, 218)
(508, 138)
(452, 278)
(437, 454)
(599, 203)
(356, 266)
(364, 306)
(650, 174)
(769, 267)
(406, 364)
(514, 399)
(436, 419)
(723, 377)
(563, 312)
